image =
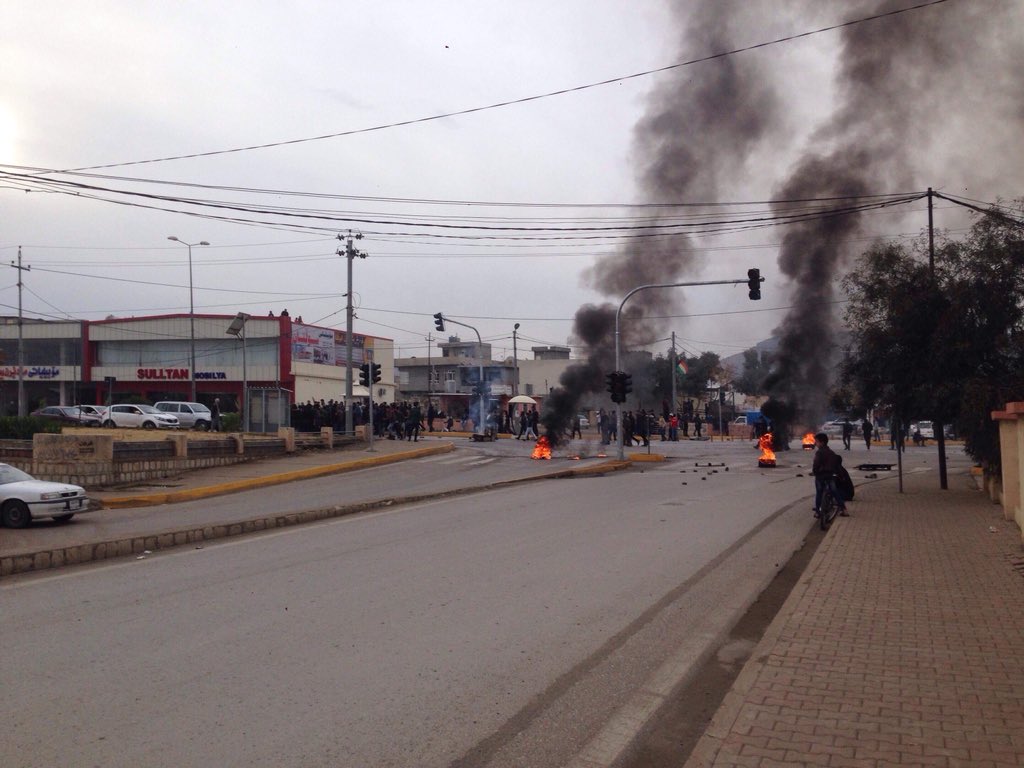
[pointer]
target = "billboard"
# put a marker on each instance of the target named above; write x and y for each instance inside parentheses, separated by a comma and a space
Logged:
(326, 346)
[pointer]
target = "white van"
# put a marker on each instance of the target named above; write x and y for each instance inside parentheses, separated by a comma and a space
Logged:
(190, 415)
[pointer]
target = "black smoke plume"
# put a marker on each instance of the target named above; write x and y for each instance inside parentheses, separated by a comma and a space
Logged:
(893, 75)
(702, 124)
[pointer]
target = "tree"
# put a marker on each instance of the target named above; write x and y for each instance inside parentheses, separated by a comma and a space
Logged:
(756, 367)
(945, 345)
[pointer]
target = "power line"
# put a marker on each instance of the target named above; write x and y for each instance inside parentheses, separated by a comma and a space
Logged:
(526, 99)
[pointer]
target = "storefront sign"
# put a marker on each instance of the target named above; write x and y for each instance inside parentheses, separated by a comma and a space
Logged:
(162, 374)
(35, 372)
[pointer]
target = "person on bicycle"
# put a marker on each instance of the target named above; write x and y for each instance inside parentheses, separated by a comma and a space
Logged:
(826, 464)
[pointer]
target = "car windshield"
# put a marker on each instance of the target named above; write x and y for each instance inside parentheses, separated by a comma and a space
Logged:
(9, 474)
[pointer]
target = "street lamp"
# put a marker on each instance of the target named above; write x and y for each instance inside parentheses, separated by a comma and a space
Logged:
(515, 362)
(191, 315)
(237, 329)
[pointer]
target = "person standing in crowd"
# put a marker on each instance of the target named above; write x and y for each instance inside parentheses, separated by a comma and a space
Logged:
(847, 434)
(698, 425)
(868, 429)
(215, 415)
(412, 423)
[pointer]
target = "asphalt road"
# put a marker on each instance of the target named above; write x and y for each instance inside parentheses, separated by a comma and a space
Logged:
(523, 626)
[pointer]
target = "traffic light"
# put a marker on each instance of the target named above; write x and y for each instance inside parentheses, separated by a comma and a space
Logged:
(618, 382)
(439, 321)
(375, 372)
(627, 385)
(754, 284)
(364, 374)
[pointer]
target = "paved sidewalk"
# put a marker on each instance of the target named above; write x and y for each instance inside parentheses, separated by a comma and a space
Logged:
(903, 643)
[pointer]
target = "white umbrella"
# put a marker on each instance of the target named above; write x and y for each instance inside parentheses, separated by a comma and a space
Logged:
(523, 399)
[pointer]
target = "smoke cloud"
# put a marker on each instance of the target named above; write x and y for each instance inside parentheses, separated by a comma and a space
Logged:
(915, 92)
(700, 128)
(891, 75)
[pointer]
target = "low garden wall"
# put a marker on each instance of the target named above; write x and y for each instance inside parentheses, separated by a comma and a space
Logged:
(96, 459)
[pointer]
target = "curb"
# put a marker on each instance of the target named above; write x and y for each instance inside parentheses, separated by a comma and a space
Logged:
(141, 545)
(170, 497)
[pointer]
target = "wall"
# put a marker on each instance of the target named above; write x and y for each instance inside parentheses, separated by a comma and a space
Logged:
(94, 461)
(1011, 448)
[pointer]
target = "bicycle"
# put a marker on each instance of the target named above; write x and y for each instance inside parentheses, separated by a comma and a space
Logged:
(830, 504)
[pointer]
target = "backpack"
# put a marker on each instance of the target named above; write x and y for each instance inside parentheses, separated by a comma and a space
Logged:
(844, 483)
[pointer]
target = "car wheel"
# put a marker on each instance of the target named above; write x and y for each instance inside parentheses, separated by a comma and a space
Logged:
(109, 424)
(15, 514)
(63, 518)
(148, 425)
(202, 426)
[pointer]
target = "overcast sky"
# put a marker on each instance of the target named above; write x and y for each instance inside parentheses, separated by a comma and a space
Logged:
(100, 83)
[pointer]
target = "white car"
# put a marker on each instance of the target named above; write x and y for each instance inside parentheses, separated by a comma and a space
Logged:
(24, 499)
(145, 416)
(190, 415)
(835, 428)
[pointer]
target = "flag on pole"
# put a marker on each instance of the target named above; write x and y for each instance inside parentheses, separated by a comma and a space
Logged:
(681, 365)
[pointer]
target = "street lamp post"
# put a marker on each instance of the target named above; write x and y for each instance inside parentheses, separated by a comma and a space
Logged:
(191, 315)
(515, 362)
(237, 329)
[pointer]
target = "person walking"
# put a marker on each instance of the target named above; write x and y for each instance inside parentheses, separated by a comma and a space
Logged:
(576, 431)
(698, 425)
(868, 429)
(215, 415)
(412, 423)
(847, 434)
(532, 421)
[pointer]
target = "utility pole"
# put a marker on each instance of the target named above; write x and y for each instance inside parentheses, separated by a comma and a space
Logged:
(940, 428)
(21, 340)
(430, 368)
(350, 254)
(673, 367)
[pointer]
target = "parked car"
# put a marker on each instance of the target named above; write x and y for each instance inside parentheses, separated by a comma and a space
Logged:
(95, 410)
(190, 415)
(24, 499)
(144, 416)
(584, 421)
(926, 428)
(834, 428)
(68, 414)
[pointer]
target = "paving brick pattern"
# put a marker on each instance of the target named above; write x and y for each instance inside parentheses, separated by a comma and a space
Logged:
(903, 644)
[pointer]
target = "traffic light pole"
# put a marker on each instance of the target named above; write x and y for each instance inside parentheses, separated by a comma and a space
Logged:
(439, 320)
(753, 278)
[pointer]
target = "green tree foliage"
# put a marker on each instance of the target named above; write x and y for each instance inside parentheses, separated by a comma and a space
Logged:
(706, 367)
(756, 367)
(947, 347)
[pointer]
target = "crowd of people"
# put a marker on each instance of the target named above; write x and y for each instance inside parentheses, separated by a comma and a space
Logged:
(393, 421)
